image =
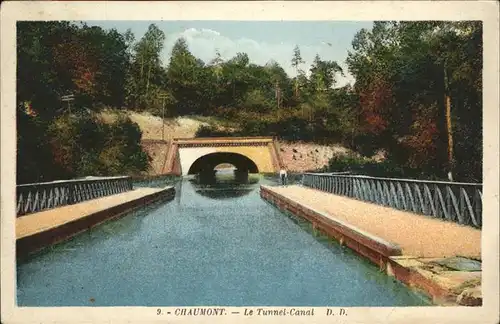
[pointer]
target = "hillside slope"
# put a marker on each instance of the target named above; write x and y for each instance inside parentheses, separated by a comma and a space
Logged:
(300, 157)
(297, 156)
(151, 126)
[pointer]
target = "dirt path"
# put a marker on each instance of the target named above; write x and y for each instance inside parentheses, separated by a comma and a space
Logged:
(417, 235)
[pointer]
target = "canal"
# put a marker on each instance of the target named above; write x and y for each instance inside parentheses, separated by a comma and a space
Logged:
(216, 243)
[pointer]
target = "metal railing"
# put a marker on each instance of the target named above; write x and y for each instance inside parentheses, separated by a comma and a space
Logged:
(452, 201)
(155, 181)
(35, 197)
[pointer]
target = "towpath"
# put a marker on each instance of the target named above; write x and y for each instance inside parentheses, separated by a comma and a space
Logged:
(417, 235)
(38, 230)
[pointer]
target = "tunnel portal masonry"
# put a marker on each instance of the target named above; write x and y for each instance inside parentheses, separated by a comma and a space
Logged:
(210, 161)
(254, 155)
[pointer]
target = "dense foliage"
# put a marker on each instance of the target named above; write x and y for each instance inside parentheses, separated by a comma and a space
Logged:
(57, 140)
(404, 72)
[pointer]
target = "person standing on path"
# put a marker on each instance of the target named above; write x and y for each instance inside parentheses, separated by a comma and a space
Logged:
(283, 176)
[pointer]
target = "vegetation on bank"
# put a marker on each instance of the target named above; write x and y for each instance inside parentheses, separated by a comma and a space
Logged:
(404, 72)
(72, 146)
(369, 167)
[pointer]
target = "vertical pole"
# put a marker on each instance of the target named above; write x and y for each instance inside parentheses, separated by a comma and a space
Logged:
(163, 120)
(71, 193)
(450, 138)
(447, 102)
(277, 94)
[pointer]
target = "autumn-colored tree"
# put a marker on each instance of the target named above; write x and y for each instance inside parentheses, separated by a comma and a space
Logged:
(74, 58)
(421, 142)
(375, 102)
(403, 72)
(58, 58)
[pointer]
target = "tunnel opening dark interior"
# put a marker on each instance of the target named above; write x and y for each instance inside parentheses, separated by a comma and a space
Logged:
(207, 163)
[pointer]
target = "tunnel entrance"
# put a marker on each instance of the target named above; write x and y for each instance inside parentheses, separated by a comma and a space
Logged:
(207, 163)
(224, 167)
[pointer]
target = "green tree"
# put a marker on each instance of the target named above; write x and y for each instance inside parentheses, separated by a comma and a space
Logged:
(186, 77)
(297, 61)
(323, 74)
(147, 77)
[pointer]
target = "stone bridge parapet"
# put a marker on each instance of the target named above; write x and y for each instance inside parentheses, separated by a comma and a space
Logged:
(188, 155)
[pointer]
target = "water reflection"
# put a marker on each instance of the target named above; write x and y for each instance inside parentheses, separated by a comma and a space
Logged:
(224, 184)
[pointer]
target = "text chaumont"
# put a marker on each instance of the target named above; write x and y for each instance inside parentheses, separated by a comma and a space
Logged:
(212, 311)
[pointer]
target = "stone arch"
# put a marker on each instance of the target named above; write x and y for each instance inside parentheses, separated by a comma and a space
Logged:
(209, 161)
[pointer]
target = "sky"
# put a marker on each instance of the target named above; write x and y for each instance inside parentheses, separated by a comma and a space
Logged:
(261, 40)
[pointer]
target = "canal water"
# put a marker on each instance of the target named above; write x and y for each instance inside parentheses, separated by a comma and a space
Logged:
(216, 243)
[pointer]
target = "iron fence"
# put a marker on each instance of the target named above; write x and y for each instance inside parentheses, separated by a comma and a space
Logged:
(452, 201)
(35, 197)
(156, 181)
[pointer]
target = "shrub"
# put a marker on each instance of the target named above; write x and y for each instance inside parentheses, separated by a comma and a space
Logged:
(256, 101)
(363, 166)
(124, 140)
(212, 131)
(85, 145)
(35, 161)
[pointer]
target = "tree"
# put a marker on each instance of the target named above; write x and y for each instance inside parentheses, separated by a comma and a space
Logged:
(57, 58)
(296, 62)
(107, 50)
(279, 82)
(323, 74)
(404, 71)
(187, 77)
(40, 80)
(147, 76)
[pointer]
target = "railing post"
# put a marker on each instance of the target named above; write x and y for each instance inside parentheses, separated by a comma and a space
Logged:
(71, 199)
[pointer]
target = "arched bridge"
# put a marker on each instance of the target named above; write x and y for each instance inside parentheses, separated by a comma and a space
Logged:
(183, 156)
